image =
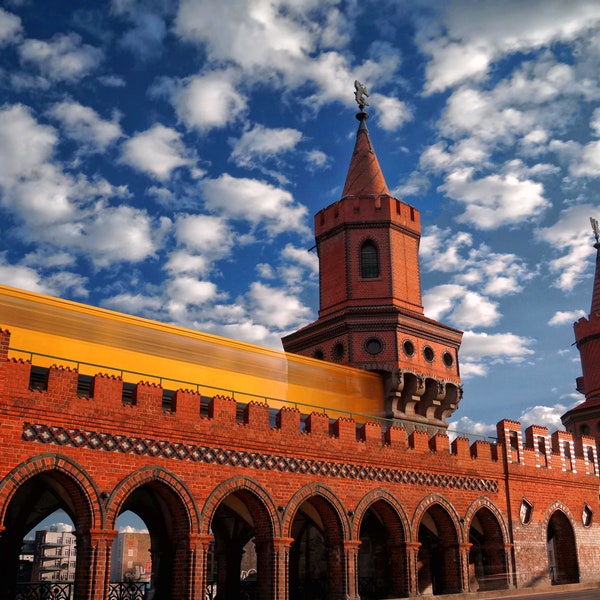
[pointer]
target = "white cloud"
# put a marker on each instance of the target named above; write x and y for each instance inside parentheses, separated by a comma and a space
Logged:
(257, 202)
(279, 42)
(63, 58)
(23, 277)
(544, 416)
(477, 33)
(466, 426)
(391, 112)
(10, 27)
(25, 145)
(275, 307)
(462, 307)
(157, 152)
(117, 234)
(260, 143)
(207, 101)
(84, 125)
(571, 236)
(495, 200)
(566, 317)
(481, 350)
(317, 159)
(201, 240)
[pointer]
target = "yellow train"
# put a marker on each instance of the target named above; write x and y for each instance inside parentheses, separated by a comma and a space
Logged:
(48, 330)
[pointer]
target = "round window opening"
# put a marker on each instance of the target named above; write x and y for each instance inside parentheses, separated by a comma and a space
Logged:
(318, 354)
(408, 347)
(448, 359)
(373, 346)
(338, 351)
(428, 353)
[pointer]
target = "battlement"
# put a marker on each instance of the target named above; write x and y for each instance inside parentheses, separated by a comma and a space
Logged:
(105, 403)
(365, 208)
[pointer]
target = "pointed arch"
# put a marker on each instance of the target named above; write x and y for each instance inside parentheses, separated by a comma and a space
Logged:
(430, 501)
(247, 486)
(152, 475)
(380, 495)
(486, 531)
(315, 490)
(563, 560)
(484, 502)
(76, 480)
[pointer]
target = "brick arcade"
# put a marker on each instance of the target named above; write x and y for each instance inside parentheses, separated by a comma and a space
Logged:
(335, 507)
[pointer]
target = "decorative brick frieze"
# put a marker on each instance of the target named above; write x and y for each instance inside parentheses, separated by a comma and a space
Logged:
(91, 440)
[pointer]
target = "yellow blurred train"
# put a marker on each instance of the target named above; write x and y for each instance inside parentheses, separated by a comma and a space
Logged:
(48, 330)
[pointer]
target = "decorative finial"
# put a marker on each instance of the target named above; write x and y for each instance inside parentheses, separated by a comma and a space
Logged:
(595, 229)
(360, 93)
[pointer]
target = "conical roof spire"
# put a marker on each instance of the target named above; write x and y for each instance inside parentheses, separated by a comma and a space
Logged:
(364, 174)
(595, 309)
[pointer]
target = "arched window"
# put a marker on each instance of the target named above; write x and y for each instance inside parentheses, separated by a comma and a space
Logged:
(369, 260)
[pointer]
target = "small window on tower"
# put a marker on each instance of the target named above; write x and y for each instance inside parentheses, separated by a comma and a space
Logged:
(369, 261)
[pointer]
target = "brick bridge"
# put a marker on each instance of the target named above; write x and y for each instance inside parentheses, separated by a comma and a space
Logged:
(331, 508)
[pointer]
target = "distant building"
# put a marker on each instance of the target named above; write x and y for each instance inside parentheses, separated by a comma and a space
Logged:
(54, 555)
(26, 561)
(131, 559)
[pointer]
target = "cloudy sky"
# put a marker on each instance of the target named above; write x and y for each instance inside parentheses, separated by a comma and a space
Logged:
(165, 158)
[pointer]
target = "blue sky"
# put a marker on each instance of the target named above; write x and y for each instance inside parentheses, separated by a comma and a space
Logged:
(165, 159)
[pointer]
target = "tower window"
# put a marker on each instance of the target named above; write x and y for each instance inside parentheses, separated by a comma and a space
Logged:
(448, 359)
(369, 261)
(338, 351)
(373, 346)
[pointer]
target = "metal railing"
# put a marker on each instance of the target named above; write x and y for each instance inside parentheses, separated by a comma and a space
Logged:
(51, 590)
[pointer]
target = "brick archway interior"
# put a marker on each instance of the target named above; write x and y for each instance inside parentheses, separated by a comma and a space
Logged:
(317, 564)
(382, 554)
(487, 557)
(241, 564)
(562, 549)
(168, 524)
(35, 499)
(438, 561)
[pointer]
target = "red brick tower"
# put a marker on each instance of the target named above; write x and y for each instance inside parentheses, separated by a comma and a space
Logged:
(584, 419)
(371, 313)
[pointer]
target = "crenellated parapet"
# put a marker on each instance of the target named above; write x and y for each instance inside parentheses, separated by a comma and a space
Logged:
(49, 412)
(559, 451)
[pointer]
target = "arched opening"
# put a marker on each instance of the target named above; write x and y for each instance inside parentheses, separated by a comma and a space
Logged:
(243, 535)
(382, 554)
(317, 568)
(166, 518)
(131, 556)
(369, 260)
(562, 550)
(54, 561)
(487, 557)
(438, 560)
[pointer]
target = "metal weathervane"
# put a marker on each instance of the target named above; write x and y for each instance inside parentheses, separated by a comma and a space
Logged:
(595, 229)
(361, 94)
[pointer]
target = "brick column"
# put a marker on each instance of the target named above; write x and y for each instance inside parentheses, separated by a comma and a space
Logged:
(351, 565)
(463, 557)
(281, 568)
(92, 574)
(412, 554)
(400, 573)
(198, 549)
